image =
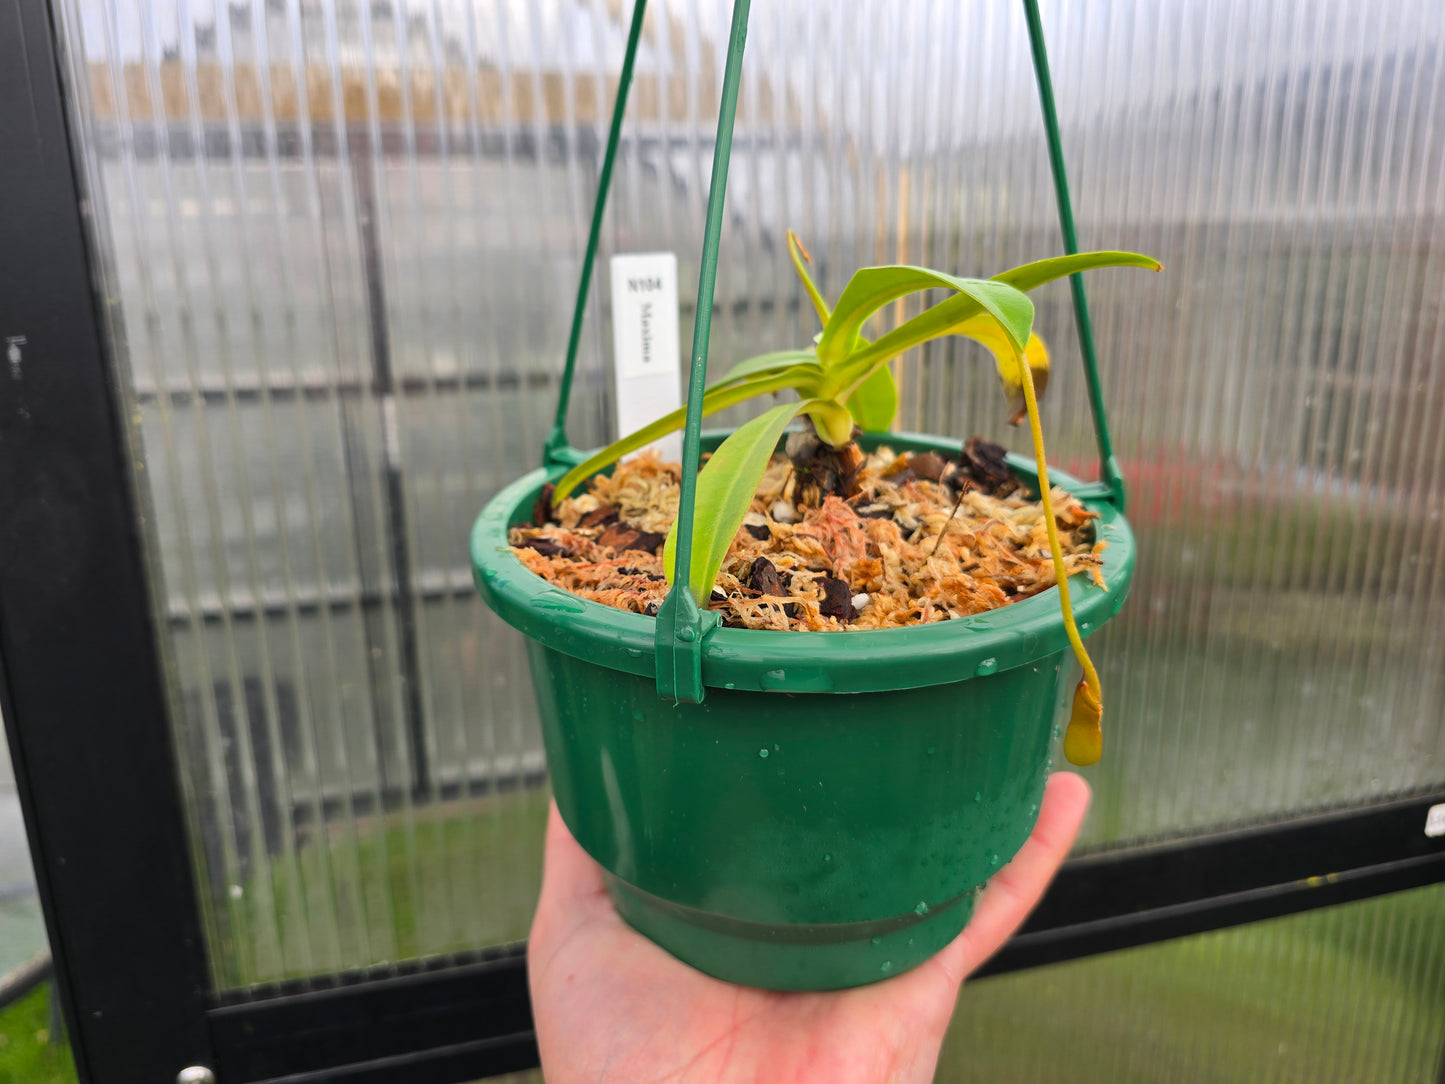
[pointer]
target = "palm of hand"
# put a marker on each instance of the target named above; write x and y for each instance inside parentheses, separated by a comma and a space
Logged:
(612, 1006)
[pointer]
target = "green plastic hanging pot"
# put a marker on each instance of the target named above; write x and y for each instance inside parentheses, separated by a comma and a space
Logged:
(827, 815)
(794, 810)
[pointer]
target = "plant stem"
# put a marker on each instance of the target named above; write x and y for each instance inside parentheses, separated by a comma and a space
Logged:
(1091, 676)
(956, 504)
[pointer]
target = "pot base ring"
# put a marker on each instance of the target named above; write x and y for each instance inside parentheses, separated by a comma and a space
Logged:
(830, 956)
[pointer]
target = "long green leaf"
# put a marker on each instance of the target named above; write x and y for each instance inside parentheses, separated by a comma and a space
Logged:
(941, 319)
(725, 489)
(1030, 275)
(767, 363)
(712, 402)
(873, 287)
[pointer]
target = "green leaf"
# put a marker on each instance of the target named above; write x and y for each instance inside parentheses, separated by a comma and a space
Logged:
(874, 287)
(713, 401)
(943, 318)
(982, 329)
(799, 255)
(875, 402)
(725, 490)
(932, 323)
(1031, 275)
(767, 363)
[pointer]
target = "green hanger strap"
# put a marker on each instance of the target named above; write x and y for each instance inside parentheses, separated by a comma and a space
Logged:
(680, 622)
(1108, 465)
(557, 442)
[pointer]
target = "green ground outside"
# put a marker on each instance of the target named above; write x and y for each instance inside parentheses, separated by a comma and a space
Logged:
(1353, 993)
(27, 1056)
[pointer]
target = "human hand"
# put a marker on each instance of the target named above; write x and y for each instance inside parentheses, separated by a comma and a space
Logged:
(612, 1006)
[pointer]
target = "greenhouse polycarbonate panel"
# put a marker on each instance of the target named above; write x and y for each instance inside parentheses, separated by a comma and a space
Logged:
(1354, 994)
(339, 243)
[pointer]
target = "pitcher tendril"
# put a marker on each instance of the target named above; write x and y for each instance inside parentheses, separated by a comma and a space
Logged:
(1084, 739)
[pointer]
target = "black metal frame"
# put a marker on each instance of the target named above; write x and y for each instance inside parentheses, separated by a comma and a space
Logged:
(83, 691)
(82, 688)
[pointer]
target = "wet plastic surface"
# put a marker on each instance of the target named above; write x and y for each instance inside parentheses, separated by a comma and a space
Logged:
(825, 817)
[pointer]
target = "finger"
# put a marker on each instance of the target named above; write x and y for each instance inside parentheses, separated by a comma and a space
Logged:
(1017, 888)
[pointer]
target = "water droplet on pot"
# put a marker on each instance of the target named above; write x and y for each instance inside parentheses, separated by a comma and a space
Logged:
(635, 652)
(977, 796)
(763, 753)
(777, 748)
(886, 967)
(556, 600)
(993, 860)
(878, 940)
(921, 909)
(729, 685)
(827, 858)
(931, 750)
(986, 667)
(910, 940)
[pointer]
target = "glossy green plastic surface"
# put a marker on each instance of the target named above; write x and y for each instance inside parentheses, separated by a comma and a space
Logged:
(797, 842)
(826, 816)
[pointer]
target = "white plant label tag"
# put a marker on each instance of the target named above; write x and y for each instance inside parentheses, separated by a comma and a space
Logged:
(646, 355)
(1435, 821)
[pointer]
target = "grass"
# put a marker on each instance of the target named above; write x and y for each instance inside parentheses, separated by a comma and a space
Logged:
(27, 1054)
(439, 880)
(1354, 993)
(1349, 994)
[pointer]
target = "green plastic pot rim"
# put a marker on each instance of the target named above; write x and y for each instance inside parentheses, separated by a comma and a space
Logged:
(875, 660)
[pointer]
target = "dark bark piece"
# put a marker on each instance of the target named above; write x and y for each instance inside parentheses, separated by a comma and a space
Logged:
(837, 599)
(756, 524)
(599, 517)
(618, 536)
(927, 465)
(542, 513)
(546, 547)
(822, 471)
(650, 610)
(985, 465)
(718, 595)
(764, 578)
